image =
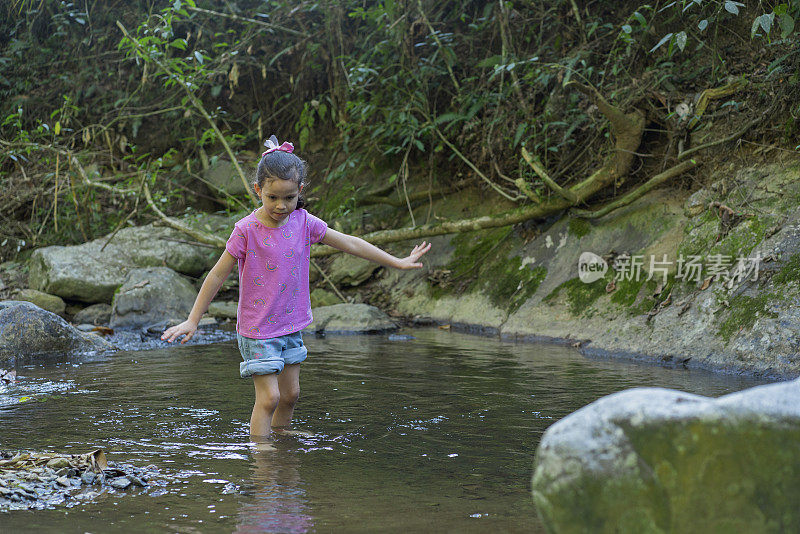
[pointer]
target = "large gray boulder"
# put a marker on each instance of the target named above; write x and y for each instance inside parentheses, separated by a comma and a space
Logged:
(87, 273)
(223, 309)
(658, 460)
(45, 301)
(347, 270)
(223, 178)
(350, 319)
(27, 330)
(150, 296)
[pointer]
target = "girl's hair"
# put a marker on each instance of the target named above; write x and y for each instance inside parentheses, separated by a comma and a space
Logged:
(285, 166)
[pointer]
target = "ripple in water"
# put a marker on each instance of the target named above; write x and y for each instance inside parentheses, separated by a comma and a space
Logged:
(436, 433)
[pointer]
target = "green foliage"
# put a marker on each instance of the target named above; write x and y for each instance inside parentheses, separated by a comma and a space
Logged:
(400, 84)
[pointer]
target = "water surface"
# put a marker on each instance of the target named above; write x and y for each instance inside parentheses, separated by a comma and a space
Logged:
(433, 434)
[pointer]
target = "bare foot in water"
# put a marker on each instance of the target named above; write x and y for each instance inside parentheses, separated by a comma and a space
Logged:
(262, 445)
(265, 447)
(292, 432)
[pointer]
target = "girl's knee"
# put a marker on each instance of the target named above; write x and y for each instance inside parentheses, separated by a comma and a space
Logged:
(290, 396)
(268, 400)
(267, 393)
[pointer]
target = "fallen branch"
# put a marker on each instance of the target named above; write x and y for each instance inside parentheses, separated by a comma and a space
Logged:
(523, 186)
(639, 192)
(539, 170)
(713, 94)
(472, 166)
(203, 237)
(328, 280)
(736, 135)
(508, 218)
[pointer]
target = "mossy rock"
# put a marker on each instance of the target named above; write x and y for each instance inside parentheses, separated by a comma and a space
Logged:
(321, 297)
(653, 460)
(481, 263)
(45, 301)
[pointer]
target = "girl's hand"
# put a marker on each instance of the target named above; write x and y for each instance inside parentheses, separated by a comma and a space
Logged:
(412, 261)
(185, 329)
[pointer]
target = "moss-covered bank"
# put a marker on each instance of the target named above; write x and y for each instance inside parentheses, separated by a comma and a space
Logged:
(523, 283)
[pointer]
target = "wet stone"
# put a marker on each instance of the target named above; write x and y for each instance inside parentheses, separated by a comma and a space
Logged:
(88, 477)
(137, 481)
(57, 463)
(120, 482)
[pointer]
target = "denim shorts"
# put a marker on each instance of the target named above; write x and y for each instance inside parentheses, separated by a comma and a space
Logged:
(267, 356)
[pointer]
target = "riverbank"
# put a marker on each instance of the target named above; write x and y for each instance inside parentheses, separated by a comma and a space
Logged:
(707, 278)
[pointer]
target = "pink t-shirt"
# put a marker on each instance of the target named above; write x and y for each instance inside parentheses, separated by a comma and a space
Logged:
(273, 273)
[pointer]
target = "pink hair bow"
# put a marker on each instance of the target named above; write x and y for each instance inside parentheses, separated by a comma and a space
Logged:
(272, 146)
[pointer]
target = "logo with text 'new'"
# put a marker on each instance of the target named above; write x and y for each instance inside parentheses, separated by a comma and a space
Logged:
(591, 267)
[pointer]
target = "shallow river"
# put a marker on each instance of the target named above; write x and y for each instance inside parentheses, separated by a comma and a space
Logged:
(434, 434)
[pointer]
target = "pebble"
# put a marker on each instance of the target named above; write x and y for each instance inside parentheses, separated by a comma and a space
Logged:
(64, 481)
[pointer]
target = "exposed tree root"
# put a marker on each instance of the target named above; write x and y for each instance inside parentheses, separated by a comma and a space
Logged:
(713, 94)
(639, 192)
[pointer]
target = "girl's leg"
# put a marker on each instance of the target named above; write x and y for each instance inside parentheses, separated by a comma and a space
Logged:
(289, 387)
(267, 397)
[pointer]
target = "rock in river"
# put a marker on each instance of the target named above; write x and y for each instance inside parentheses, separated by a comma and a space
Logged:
(150, 296)
(27, 330)
(91, 273)
(658, 460)
(95, 314)
(350, 319)
(51, 303)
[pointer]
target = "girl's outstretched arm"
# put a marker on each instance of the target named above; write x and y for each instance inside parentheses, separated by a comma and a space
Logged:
(358, 247)
(218, 274)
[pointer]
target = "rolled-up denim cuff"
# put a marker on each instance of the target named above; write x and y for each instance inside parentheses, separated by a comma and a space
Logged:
(295, 355)
(260, 367)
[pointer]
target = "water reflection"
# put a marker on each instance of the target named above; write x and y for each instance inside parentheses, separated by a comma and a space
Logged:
(277, 497)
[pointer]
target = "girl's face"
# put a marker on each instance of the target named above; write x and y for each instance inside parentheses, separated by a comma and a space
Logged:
(278, 199)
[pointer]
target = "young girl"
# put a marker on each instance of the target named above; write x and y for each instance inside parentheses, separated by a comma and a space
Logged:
(272, 247)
